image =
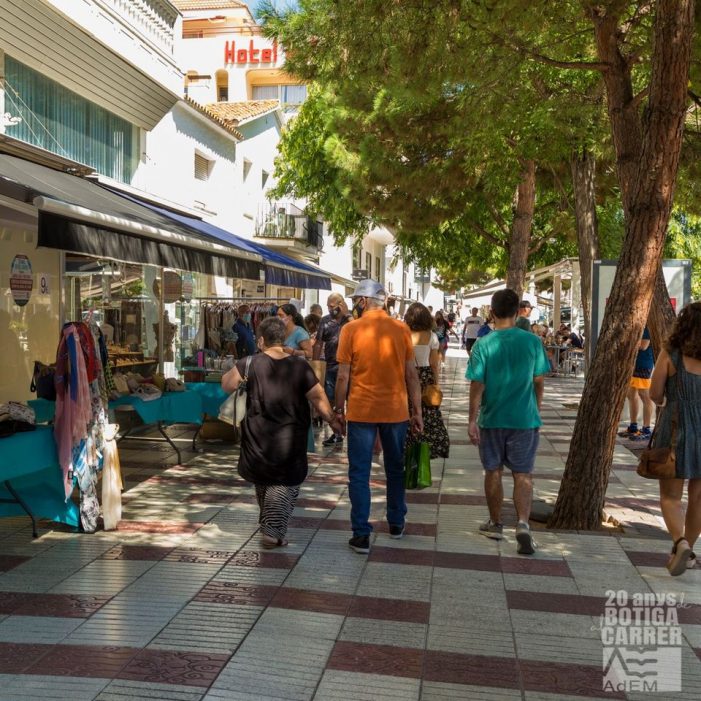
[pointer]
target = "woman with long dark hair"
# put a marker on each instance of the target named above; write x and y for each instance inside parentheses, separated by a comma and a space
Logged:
(676, 385)
(426, 355)
(297, 341)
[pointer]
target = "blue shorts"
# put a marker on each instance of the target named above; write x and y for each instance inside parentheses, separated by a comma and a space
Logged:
(513, 447)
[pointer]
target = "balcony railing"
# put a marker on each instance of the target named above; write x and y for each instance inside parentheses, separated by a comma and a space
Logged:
(280, 225)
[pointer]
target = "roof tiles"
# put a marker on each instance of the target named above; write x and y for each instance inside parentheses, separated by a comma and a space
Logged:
(236, 112)
(189, 5)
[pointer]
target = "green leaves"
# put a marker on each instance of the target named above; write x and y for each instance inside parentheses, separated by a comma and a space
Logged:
(421, 113)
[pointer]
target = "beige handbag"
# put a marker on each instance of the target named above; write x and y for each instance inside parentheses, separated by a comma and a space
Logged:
(319, 367)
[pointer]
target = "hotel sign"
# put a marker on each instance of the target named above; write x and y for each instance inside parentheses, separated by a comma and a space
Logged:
(234, 54)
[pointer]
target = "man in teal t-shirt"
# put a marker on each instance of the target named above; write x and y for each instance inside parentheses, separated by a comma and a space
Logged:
(506, 373)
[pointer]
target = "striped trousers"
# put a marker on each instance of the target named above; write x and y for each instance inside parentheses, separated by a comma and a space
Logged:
(276, 503)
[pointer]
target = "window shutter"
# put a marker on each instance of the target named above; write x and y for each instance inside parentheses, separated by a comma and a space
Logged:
(202, 166)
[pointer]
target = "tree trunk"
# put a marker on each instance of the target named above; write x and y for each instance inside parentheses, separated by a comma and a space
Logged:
(648, 203)
(521, 229)
(662, 314)
(584, 181)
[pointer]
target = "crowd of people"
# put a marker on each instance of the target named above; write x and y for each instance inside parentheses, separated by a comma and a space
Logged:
(372, 394)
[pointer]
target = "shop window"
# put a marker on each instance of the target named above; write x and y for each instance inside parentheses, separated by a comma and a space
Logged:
(203, 167)
(368, 263)
(60, 121)
(289, 96)
(292, 95)
(123, 298)
(266, 92)
(378, 271)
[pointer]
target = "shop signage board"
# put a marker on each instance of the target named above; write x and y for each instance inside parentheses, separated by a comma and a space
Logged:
(172, 286)
(677, 275)
(242, 53)
(21, 279)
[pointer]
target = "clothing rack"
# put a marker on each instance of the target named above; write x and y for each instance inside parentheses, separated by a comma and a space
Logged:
(241, 299)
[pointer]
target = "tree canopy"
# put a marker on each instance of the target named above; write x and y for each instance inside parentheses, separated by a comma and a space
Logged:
(420, 118)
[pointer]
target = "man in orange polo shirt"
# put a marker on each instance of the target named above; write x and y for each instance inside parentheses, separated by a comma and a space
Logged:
(376, 360)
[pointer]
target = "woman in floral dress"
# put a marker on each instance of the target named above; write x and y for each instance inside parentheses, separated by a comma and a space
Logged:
(426, 352)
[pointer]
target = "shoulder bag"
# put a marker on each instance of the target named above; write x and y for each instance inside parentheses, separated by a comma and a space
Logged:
(431, 395)
(233, 410)
(660, 463)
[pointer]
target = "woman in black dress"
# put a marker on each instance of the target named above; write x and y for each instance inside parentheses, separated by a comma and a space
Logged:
(274, 432)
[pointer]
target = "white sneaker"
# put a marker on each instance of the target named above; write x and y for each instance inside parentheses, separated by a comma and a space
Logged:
(526, 544)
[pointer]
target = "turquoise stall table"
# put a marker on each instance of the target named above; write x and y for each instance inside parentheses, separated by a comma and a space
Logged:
(32, 481)
(169, 408)
(213, 396)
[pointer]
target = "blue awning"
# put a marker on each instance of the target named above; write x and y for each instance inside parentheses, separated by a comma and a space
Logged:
(280, 269)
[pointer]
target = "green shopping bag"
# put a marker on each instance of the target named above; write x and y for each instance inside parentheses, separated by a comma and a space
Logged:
(417, 466)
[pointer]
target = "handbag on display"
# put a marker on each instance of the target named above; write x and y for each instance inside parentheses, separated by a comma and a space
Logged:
(43, 381)
(417, 466)
(159, 380)
(120, 383)
(431, 395)
(233, 409)
(16, 418)
(659, 463)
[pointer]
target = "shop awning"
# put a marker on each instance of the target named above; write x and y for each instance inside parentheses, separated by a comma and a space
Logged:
(279, 269)
(82, 217)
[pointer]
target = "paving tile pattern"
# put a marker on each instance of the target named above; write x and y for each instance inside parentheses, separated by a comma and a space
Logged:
(182, 603)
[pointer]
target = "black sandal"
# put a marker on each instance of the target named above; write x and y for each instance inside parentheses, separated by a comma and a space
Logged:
(677, 562)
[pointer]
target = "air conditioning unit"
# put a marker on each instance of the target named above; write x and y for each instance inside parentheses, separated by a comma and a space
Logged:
(360, 274)
(300, 232)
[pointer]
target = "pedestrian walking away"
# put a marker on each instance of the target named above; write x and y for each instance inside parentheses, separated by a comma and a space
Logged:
(486, 327)
(327, 343)
(376, 378)
(506, 372)
(442, 329)
(425, 342)
(523, 321)
(676, 385)
(639, 392)
(274, 431)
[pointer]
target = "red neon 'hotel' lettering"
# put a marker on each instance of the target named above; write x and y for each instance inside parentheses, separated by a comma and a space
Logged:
(249, 55)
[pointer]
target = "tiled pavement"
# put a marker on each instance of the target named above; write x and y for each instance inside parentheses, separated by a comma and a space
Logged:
(182, 604)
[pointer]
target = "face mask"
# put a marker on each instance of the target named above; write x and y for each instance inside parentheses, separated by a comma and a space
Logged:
(358, 310)
(335, 312)
(246, 318)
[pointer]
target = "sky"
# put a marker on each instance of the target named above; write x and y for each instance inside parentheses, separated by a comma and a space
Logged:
(252, 4)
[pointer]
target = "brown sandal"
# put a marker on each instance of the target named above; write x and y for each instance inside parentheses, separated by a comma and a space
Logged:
(679, 558)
